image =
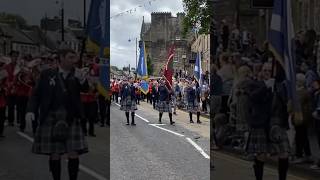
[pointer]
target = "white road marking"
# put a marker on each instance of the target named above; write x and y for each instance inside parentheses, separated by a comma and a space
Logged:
(198, 148)
(135, 114)
(142, 118)
(175, 133)
(158, 124)
(81, 167)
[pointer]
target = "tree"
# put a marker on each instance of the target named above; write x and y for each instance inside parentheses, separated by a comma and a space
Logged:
(149, 65)
(13, 19)
(197, 14)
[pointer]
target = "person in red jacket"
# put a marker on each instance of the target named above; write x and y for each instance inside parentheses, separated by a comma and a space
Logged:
(10, 86)
(23, 88)
(116, 90)
(89, 101)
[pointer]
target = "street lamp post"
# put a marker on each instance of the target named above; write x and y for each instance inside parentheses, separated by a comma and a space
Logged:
(62, 21)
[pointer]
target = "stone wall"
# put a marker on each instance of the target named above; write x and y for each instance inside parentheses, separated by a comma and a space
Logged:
(164, 31)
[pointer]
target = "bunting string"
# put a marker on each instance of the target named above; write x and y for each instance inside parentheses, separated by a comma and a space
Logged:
(133, 10)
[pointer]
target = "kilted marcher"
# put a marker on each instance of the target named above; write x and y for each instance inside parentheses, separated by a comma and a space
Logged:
(177, 93)
(192, 101)
(23, 91)
(154, 94)
(2, 108)
(102, 109)
(57, 94)
(163, 104)
(268, 122)
(128, 100)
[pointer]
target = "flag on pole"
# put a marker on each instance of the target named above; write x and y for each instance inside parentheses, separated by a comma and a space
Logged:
(198, 69)
(168, 70)
(144, 86)
(142, 65)
(98, 41)
(281, 37)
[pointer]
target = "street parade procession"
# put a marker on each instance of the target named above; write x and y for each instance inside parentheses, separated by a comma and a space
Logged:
(165, 94)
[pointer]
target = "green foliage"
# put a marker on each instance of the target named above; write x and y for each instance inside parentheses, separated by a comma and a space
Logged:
(149, 65)
(13, 19)
(197, 12)
(115, 68)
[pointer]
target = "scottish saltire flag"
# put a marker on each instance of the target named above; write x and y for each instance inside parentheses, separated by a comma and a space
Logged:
(98, 40)
(198, 69)
(142, 65)
(281, 40)
(144, 86)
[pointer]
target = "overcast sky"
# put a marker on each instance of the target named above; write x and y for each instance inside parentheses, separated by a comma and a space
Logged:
(34, 10)
(128, 26)
(123, 27)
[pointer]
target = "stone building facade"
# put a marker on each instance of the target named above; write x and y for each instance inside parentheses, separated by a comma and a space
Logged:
(159, 34)
(305, 16)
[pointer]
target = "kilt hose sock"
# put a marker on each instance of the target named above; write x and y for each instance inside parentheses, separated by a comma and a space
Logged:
(198, 117)
(55, 168)
(132, 117)
(283, 165)
(170, 116)
(160, 116)
(73, 168)
(127, 115)
(190, 115)
(258, 169)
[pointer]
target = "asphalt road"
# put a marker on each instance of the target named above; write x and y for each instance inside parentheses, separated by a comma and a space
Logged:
(156, 152)
(18, 163)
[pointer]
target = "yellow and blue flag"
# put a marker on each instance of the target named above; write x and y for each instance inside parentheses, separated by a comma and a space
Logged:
(98, 41)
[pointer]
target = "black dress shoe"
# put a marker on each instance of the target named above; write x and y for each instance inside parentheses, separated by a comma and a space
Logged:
(191, 121)
(133, 124)
(172, 123)
(199, 122)
(128, 124)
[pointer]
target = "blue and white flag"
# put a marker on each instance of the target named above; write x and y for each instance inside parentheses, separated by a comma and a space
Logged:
(281, 38)
(198, 69)
(142, 65)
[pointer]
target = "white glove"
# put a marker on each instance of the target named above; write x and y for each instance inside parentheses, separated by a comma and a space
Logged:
(30, 116)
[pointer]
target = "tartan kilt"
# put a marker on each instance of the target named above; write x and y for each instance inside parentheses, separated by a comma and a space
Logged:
(282, 146)
(193, 107)
(164, 106)
(257, 142)
(128, 105)
(43, 143)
